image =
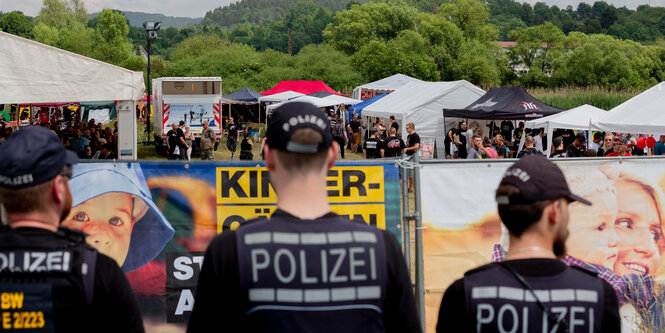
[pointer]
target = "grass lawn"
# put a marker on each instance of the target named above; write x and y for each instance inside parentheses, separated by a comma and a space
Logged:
(148, 152)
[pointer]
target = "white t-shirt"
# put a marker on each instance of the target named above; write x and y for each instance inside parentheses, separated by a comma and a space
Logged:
(594, 146)
(539, 142)
(469, 137)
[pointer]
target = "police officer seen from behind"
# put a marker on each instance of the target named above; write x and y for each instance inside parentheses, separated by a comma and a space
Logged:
(53, 280)
(305, 269)
(532, 291)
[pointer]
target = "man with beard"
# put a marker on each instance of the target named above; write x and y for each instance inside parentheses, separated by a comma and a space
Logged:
(532, 290)
(63, 284)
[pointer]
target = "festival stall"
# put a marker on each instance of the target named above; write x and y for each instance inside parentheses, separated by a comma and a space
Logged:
(385, 85)
(641, 114)
(243, 101)
(102, 112)
(31, 72)
(577, 119)
(421, 103)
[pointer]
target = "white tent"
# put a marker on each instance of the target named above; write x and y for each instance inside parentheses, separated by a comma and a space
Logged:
(422, 103)
(644, 114)
(318, 102)
(31, 72)
(337, 100)
(385, 85)
(280, 97)
(577, 118)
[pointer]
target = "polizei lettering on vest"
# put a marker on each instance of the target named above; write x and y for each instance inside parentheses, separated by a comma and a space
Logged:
(35, 261)
(514, 318)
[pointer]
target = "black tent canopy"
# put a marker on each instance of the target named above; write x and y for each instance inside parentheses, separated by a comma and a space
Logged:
(320, 94)
(244, 95)
(504, 103)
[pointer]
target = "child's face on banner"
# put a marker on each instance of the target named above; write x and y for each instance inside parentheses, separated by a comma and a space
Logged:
(639, 230)
(108, 221)
(592, 235)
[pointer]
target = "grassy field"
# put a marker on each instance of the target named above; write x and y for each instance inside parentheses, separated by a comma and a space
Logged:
(149, 152)
(568, 98)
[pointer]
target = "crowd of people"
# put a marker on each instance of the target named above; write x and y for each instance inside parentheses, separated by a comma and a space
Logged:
(88, 140)
(468, 142)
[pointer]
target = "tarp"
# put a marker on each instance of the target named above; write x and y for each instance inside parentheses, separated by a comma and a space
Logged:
(102, 112)
(280, 97)
(643, 114)
(320, 94)
(245, 95)
(358, 108)
(385, 85)
(337, 100)
(503, 103)
(318, 102)
(303, 87)
(421, 103)
(31, 72)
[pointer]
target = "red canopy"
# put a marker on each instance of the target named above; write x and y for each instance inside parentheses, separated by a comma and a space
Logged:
(145, 98)
(303, 87)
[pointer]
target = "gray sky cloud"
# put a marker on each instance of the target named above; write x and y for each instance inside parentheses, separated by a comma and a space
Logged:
(198, 8)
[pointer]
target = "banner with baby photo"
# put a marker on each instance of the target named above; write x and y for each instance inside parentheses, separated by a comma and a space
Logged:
(620, 236)
(157, 219)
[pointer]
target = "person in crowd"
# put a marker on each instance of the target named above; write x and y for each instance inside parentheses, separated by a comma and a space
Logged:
(538, 139)
(477, 151)
(248, 268)
(576, 149)
(491, 153)
(533, 199)
(412, 147)
(246, 146)
(620, 147)
(659, 148)
(450, 139)
(75, 288)
(354, 128)
(232, 137)
(634, 149)
(107, 152)
(393, 146)
(208, 139)
(460, 142)
(182, 142)
(607, 146)
(470, 132)
(590, 153)
(507, 128)
(373, 147)
(567, 134)
(87, 153)
(394, 124)
(500, 147)
(78, 142)
(189, 140)
(596, 142)
(529, 148)
(172, 142)
(519, 131)
(339, 133)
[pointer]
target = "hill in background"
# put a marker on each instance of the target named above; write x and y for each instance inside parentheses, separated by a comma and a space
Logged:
(136, 19)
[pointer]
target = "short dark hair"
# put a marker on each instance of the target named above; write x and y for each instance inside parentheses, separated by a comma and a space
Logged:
(303, 163)
(392, 117)
(518, 217)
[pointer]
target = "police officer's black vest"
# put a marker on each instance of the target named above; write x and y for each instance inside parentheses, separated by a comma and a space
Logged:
(327, 275)
(46, 283)
(498, 302)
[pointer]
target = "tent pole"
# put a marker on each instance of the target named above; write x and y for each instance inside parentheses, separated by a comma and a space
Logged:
(259, 121)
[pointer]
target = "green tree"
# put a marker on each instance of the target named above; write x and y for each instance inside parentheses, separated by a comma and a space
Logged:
(111, 43)
(477, 64)
(17, 24)
(471, 16)
(352, 29)
(535, 47)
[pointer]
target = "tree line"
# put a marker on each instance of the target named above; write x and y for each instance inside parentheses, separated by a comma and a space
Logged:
(435, 40)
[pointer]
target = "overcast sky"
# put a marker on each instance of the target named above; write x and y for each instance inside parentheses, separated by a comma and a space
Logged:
(198, 8)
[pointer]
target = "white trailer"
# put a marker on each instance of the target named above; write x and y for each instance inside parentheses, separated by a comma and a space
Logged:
(193, 100)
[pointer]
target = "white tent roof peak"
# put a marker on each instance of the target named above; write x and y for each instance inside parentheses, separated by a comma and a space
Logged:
(390, 83)
(644, 114)
(32, 72)
(577, 118)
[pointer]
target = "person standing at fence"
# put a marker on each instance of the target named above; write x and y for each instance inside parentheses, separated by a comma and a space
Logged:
(394, 145)
(477, 150)
(172, 142)
(208, 139)
(246, 146)
(339, 133)
(189, 140)
(533, 290)
(373, 147)
(305, 269)
(50, 279)
(412, 146)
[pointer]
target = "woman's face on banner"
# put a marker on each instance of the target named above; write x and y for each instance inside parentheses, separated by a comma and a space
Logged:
(639, 230)
(592, 236)
(107, 219)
